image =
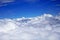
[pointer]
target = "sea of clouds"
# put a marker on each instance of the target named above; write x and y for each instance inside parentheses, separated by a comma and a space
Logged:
(44, 27)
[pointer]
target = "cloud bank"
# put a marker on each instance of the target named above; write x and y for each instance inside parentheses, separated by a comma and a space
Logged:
(44, 27)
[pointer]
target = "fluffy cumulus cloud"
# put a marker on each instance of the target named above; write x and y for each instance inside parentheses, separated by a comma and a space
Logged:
(45, 27)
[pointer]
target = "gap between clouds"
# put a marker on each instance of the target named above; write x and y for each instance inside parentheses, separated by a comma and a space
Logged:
(44, 27)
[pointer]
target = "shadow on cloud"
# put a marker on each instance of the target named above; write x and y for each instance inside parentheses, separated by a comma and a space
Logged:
(44, 27)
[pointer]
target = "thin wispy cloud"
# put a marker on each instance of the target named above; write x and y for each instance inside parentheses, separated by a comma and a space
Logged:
(5, 2)
(45, 27)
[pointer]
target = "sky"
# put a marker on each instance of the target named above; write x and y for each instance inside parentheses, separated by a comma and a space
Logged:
(29, 19)
(28, 8)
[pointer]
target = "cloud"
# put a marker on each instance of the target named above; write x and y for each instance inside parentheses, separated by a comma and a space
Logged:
(5, 2)
(44, 27)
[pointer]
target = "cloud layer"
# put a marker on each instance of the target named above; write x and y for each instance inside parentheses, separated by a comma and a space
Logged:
(44, 27)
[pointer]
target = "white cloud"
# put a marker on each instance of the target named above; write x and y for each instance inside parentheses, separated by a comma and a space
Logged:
(5, 2)
(45, 27)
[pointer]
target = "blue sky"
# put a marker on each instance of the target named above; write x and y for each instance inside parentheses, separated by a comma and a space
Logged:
(29, 20)
(28, 8)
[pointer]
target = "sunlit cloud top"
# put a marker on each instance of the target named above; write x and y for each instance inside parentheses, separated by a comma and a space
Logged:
(44, 27)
